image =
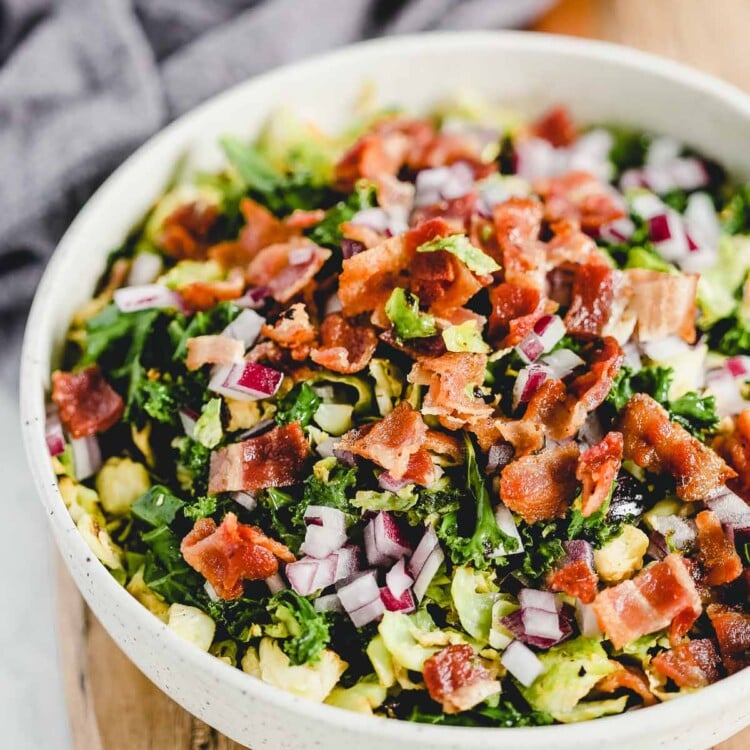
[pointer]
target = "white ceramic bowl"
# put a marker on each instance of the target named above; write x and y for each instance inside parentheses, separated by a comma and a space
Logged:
(599, 82)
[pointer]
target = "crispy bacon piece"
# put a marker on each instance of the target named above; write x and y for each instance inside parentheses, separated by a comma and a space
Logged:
(231, 553)
(526, 435)
(457, 679)
(430, 346)
(660, 595)
(734, 448)
(449, 377)
(420, 470)
(213, 350)
(203, 295)
(393, 193)
(716, 551)
(540, 487)
(575, 577)
(733, 634)
(562, 410)
(185, 231)
(261, 229)
(302, 218)
(293, 331)
(444, 445)
(691, 664)
(515, 310)
(444, 149)
(86, 401)
(368, 236)
(592, 299)
(345, 347)
(279, 268)
(581, 197)
(368, 278)
(426, 231)
(658, 445)
(391, 442)
(458, 211)
(274, 459)
(431, 275)
(518, 222)
(628, 678)
(663, 303)
(556, 126)
(570, 245)
(380, 152)
(597, 469)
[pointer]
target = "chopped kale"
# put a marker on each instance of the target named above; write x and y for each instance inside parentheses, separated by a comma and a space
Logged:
(298, 405)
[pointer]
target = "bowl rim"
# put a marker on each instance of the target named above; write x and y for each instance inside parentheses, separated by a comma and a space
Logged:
(655, 718)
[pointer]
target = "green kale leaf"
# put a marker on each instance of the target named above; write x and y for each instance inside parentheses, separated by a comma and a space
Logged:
(327, 233)
(487, 542)
(307, 631)
(157, 506)
(298, 405)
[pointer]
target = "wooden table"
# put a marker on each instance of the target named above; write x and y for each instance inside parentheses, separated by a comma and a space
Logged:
(112, 706)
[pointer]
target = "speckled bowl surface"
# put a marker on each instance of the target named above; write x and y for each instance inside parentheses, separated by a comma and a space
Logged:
(600, 82)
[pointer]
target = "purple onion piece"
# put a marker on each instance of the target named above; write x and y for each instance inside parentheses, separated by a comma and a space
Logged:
(657, 546)
(350, 248)
(578, 549)
(499, 456)
(257, 429)
(346, 457)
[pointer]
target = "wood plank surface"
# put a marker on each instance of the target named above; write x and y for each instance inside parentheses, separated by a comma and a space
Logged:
(112, 706)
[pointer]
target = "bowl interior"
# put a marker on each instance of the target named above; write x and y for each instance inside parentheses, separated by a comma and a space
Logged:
(600, 83)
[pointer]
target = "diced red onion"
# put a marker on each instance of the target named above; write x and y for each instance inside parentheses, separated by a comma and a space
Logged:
(515, 624)
(253, 298)
(384, 541)
(729, 508)
(321, 541)
(374, 218)
(333, 304)
(325, 447)
(301, 575)
(146, 297)
(275, 583)
(619, 230)
(701, 219)
(349, 248)
(632, 179)
(506, 524)
(299, 256)
(667, 232)
(367, 614)
(550, 329)
(522, 663)
(244, 498)
(211, 592)
(245, 381)
(427, 544)
(579, 549)
(663, 150)
(87, 456)
(443, 183)
(347, 562)
(562, 362)
(528, 382)
(404, 603)
(543, 600)
(360, 592)
(592, 431)
(540, 623)
(459, 183)
(387, 482)
(397, 579)
(587, 621)
(671, 346)
(679, 532)
(657, 546)
(427, 573)
(245, 327)
(345, 456)
(144, 269)
(323, 515)
(632, 357)
(188, 418)
(328, 603)
(688, 173)
(54, 432)
(726, 390)
(738, 367)
(530, 348)
(537, 158)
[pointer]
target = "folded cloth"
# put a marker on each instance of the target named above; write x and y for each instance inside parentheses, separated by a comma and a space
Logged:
(84, 82)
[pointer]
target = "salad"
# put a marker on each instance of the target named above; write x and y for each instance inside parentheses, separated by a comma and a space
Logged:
(442, 419)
